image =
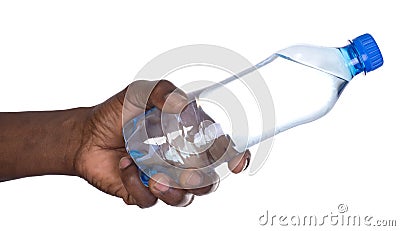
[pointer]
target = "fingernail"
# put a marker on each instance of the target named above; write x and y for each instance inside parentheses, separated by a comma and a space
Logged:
(162, 184)
(125, 162)
(247, 161)
(194, 179)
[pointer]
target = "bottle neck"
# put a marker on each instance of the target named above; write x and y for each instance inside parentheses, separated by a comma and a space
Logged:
(353, 60)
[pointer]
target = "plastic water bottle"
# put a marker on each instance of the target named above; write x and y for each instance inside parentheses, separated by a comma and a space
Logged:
(224, 119)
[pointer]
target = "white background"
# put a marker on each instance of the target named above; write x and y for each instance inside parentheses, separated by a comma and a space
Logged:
(64, 54)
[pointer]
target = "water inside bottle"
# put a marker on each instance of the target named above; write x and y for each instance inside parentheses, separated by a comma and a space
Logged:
(302, 88)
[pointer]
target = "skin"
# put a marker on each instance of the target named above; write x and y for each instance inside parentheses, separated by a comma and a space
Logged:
(88, 142)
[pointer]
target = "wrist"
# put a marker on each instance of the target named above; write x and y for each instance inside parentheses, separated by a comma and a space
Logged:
(40, 143)
(76, 136)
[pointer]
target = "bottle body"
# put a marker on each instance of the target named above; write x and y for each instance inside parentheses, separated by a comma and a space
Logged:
(302, 83)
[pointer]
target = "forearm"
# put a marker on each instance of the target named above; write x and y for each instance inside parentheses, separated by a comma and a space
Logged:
(39, 143)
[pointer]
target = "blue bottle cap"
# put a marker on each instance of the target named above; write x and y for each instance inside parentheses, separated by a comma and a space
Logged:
(368, 51)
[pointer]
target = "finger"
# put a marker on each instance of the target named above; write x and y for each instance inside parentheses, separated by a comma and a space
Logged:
(162, 187)
(136, 98)
(167, 97)
(142, 95)
(210, 184)
(222, 147)
(240, 162)
(197, 182)
(137, 192)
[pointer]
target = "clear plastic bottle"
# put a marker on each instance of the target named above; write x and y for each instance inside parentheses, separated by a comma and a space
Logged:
(304, 83)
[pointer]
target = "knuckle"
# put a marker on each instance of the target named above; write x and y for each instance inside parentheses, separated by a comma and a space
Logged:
(147, 203)
(202, 191)
(176, 199)
(163, 82)
(163, 86)
(129, 200)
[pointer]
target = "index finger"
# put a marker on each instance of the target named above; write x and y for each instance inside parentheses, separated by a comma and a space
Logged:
(223, 147)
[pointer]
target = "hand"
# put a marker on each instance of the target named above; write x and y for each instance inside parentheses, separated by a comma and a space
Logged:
(102, 159)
